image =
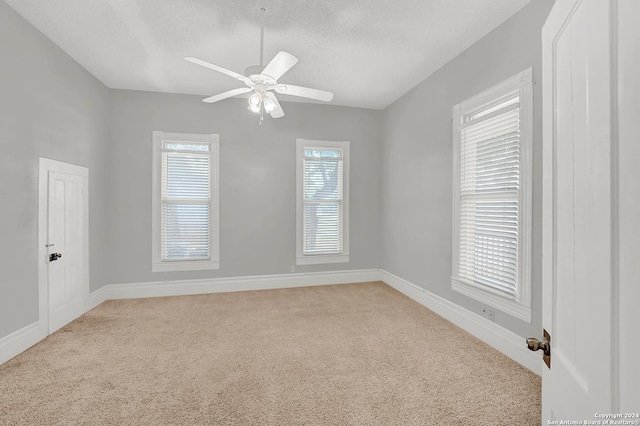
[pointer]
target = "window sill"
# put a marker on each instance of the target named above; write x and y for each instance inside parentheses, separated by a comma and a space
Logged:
(502, 303)
(320, 259)
(191, 265)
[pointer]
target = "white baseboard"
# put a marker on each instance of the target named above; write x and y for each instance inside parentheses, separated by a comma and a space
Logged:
(96, 298)
(20, 341)
(223, 285)
(503, 340)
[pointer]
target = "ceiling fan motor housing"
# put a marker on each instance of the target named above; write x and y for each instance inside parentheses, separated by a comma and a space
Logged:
(255, 74)
(254, 69)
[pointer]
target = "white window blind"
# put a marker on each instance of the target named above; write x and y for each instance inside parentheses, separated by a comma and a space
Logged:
(322, 202)
(489, 179)
(322, 189)
(492, 137)
(186, 200)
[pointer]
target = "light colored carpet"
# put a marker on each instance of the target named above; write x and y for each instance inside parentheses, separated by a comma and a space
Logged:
(359, 354)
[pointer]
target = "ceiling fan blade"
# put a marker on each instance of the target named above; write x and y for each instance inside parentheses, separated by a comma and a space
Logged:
(227, 94)
(216, 68)
(280, 64)
(304, 92)
(278, 111)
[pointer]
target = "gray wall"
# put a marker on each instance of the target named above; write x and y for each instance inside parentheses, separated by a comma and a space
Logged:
(417, 142)
(49, 107)
(257, 181)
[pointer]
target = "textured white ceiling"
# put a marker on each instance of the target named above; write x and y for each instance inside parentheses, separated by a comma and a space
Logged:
(368, 52)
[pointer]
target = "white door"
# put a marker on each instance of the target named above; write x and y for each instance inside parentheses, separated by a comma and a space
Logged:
(577, 212)
(65, 248)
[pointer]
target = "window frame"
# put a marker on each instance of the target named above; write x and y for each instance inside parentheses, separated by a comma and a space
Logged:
(157, 264)
(307, 259)
(519, 307)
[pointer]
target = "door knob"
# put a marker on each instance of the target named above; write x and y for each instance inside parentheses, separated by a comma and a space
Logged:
(54, 256)
(535, 345)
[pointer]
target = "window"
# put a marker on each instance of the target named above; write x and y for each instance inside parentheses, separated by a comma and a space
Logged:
(185, 202)
(492, 135)
(322, 182)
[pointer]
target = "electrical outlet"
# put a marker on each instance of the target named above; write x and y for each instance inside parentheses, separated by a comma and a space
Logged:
(489, 314)
(293, 268)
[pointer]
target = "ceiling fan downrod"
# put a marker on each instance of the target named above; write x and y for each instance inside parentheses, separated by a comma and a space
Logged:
(262, 12)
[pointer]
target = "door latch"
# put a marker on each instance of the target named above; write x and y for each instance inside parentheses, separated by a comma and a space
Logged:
(535, 345)
(54, 256)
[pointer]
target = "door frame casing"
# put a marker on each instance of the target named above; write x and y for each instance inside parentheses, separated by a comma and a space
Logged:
(46, 165)
(628, 201)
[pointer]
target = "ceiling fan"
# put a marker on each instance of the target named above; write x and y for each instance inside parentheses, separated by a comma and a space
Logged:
(263, 81)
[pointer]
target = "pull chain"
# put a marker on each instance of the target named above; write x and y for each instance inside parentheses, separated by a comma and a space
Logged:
(261, 113)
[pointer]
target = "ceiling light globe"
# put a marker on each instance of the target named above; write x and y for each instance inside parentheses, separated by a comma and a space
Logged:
(255, 102)
(255, 99)
(254, 108)
(269, 105)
